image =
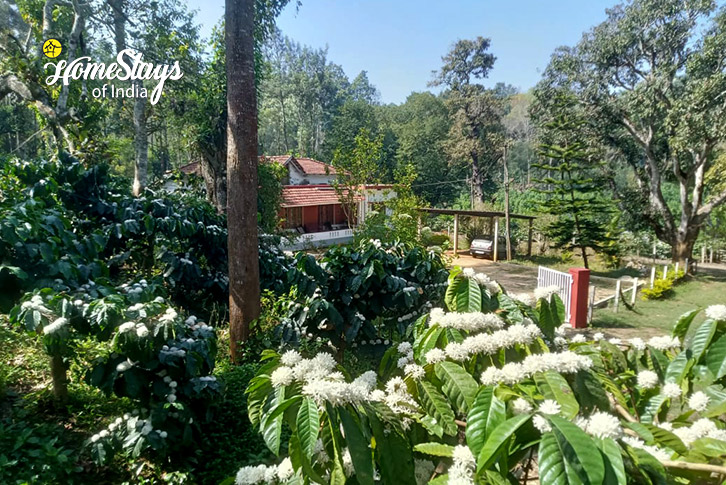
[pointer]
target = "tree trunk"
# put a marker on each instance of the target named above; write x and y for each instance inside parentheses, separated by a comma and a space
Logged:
(506, 205)
(214, 172)
(58, 375)
(682, 245)
(141, 143)
(244, 280)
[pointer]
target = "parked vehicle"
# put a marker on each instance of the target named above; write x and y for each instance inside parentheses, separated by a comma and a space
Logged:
(484, 246)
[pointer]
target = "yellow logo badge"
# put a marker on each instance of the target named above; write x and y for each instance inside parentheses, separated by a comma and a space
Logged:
(52, 48)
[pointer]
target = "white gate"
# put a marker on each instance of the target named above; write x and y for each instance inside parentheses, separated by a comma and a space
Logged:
(550, 277)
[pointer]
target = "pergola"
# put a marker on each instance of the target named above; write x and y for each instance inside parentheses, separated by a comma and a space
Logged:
(494, 220)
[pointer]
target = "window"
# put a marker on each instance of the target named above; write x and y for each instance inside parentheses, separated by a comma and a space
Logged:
(293, 217)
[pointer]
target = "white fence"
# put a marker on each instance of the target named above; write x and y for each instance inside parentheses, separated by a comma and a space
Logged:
(318, 239)
(550, 277)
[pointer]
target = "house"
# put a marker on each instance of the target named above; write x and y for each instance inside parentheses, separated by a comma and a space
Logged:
(311, 209)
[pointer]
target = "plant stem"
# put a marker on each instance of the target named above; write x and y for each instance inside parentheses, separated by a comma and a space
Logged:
(703, 467)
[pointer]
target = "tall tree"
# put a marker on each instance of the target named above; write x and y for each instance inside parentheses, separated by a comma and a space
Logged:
(651, 78)
(244, 271)
(575, 192)
(476, 131)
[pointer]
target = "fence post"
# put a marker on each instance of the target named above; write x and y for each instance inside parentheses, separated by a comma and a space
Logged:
(665, 272)
(685, 269)
(654, 252)
(710, 254)
(652, 277)
(579, 297)
(617, 295)
(456, 233)
(703, 254)
(635, 291)
(676, 270)
(495, 256)
(590, 303)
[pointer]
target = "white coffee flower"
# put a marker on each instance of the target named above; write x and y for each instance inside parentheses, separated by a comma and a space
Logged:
(549, 406)
(462, 468)
(698, 401)
(604, 425)
(282, 376)
(647, 379)
(142, 331)
(525, 298)
(545, 292)
(598, 336)
(671, 390)
(171, 398)
(290, 358)
(716, 312)
(637, 343)
(541, 423)
(579, 339)
(415, 371)
(521, 406)
(54, 327)
(664, 342)
(404, 348)
(435, 355)
(123, 366)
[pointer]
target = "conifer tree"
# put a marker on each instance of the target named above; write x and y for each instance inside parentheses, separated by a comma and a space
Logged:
(575, 191)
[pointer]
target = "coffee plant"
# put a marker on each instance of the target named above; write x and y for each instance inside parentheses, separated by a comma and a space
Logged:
(493, 391)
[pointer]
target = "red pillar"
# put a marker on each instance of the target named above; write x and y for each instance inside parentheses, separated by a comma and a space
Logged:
(579, 297)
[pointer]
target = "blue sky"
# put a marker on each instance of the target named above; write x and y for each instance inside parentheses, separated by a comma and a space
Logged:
(399, 42)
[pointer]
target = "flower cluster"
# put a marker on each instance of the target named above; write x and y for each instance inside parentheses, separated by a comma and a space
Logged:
(716, 312)
(657, 453)
(525, 298)
(703, 428)
(545, 292)
(489, 344)
(566, 362)
(647, 379)
(603, 425)
(461, 471)
(57, 325)
(483, 280)
(251, 475)
(698, 401)
(471, 322)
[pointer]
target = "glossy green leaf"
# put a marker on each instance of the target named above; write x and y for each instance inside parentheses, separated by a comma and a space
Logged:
(497, 440)
(613, 462)
(701, 339)
(359, 446)
(553, 385)
(458, 385)
(684, 322)
(437, 407)
(308, 425)
(716, 357)
(435, 449)
(581, 464)
(486, 414)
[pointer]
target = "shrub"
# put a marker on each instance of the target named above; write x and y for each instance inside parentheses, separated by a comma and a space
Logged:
(482, 389)
(662, 288)
(362, 291)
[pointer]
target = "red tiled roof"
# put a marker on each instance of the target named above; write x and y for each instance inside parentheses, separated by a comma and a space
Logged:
(313, 167)
(306, 195)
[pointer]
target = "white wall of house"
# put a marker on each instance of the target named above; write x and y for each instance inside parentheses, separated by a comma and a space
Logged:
(299, 178)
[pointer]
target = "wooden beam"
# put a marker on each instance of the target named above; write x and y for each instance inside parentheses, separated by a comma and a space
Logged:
(496, 239)
(529, 240)
(456, 233)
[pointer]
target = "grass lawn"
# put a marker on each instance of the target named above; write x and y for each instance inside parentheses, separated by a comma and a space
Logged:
(699, 292)
(597, 268)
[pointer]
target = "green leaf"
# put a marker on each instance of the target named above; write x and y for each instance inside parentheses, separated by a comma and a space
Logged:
(553, 386)
(581, 464)
(613, 461)
(308, 425)
(280, 408)
(699, 343)
(436, 406)
(710, 447)
(463, 295)
(716, 357)
(458, 385)
(667, 439)
(546, 319)
(652, 408)
(485, 415)
(684, 322)
(679, 367)
(497, 440)
(551, 461)
(590, 392)
(394, 454)
(359, 446)
(435, 449)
